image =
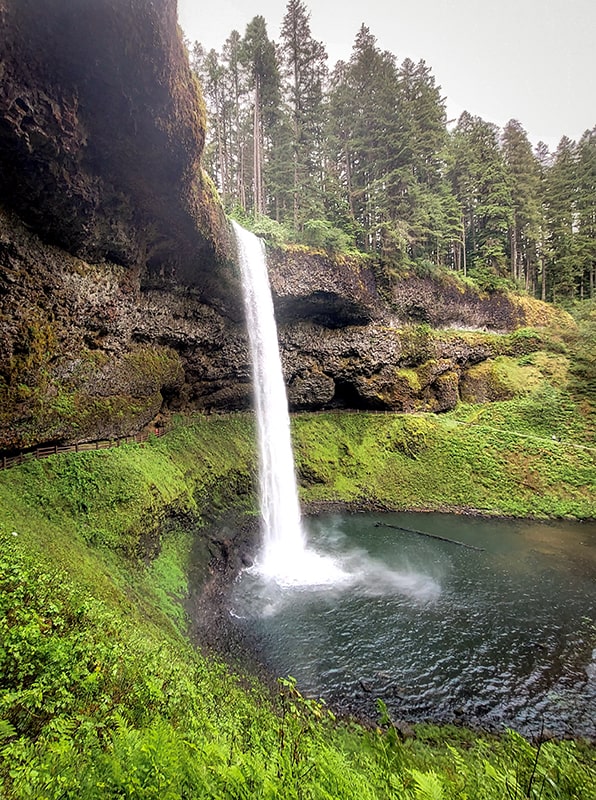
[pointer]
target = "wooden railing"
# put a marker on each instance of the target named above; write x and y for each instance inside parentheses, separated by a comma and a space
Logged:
(14, 459)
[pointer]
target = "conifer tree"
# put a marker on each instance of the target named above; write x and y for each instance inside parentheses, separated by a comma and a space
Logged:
(364, 127)
(305, 70)
(563, 261)
(479, 180)
(236, 86)
(260, 59)
(526, 219)
(586, 212)
(428, 206)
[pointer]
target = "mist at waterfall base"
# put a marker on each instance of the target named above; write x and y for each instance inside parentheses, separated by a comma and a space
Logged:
(503, 637)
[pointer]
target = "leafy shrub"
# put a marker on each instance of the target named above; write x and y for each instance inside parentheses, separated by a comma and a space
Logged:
(583, 364)
(322, 233)
(273, 232)
(488, 280)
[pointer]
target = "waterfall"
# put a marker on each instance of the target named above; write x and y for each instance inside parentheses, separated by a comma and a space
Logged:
(284, 556)
(283, 538)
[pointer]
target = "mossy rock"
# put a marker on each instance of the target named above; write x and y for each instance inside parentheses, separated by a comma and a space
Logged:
(86, 396)
(501, 378)
(410, 377)
(410, 436)
(445, 391)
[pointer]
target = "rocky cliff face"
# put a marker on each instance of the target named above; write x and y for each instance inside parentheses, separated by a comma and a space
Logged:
(117, 292)
(89, 351)
(101, 132)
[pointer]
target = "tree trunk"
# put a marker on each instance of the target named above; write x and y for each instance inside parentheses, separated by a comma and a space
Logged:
(349, 179)
(258, 199)
(295, 176)
(296, 133)
(220, 155)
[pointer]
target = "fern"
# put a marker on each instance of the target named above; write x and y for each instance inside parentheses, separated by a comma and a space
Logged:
(6, 730)
(428, 785)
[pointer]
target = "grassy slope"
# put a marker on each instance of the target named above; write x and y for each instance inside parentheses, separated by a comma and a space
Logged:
(532, 452)
(464, 460)
(102, 696)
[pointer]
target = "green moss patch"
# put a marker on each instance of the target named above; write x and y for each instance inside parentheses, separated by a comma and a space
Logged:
(458, 461)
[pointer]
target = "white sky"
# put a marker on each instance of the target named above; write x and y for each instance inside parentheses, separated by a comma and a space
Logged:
(531, 60)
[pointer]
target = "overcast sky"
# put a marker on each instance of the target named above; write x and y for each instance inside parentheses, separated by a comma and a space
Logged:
(531, 60)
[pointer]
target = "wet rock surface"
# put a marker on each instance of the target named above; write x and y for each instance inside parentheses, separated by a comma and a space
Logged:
(92, 351)
(87, 353)
(332, 291)
(101, 131)
(444, 303)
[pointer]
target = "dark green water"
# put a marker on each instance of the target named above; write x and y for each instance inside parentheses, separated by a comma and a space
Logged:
(505, 637)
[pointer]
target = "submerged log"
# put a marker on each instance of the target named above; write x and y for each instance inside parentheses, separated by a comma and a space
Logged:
(430, 535)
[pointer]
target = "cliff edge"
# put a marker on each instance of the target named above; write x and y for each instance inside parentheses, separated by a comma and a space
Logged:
(118, 296)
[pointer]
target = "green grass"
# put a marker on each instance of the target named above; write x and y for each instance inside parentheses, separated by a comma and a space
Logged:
(101, 693)
(499, 459)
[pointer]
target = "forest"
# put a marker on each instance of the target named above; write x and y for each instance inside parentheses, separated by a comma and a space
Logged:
(361, 156)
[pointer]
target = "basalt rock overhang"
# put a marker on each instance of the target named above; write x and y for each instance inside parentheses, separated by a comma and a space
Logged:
(102, 127)
(329, 289)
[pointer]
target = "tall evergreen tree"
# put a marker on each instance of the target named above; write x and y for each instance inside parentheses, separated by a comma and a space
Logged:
(422, 112)
(237, 137)
(365, 129)
(306, 70)
(479, 180)
(428, 206)
(526, 219)
(219, 153)
(260, 58)
(562, 257)
(586, 212)
(544, 161)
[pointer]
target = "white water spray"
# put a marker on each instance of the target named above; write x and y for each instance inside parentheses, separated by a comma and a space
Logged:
(284, 555)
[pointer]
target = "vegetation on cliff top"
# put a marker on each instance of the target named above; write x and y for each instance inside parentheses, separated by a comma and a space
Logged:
(101, 694)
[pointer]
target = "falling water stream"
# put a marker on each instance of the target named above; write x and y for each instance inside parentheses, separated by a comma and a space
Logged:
(503, 636)
(284, 556)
